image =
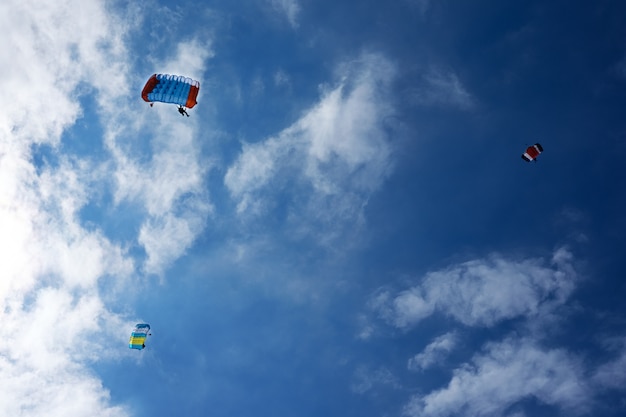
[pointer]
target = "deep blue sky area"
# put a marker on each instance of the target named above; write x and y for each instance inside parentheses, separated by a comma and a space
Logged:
(344, 225)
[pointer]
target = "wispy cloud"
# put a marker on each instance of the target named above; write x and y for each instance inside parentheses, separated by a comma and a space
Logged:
(483, 292)
(331, 159)
(613, 373)
(506, 373)
(441, 87)
(365, 379)
(290, 8)
(435, 352)
(282, 79)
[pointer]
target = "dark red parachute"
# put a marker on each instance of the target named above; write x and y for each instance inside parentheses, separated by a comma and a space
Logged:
(532, 152)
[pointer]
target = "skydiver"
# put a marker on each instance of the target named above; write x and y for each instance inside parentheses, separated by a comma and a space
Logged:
(143, 345)
(182, 111)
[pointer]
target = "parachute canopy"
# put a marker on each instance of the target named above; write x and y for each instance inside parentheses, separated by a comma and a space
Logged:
(138, 336)
(532, 152)
(174, 89)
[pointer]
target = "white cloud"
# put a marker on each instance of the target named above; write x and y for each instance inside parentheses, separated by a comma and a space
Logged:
(51, 264)
(170, 184)
(506, 373)
(42, 352)
(254, 168)
(613, 373)
(189, 60)
(443, 87)
(290, 8)
(435, 352)
(409, 307)
(332, 159)
(41, 208)
(167, 236)
(364, 379)
(483, 292)
(43, 62)
(281, 78)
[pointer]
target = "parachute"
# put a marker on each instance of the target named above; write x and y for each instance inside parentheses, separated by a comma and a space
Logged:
(138, 336)
(174, 89)
(532, 152)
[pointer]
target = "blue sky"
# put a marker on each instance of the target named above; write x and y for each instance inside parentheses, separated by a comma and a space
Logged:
(344, 225)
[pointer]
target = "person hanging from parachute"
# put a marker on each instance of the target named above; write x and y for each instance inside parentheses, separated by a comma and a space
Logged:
(182, 111)
(174, 89)
(532, 152)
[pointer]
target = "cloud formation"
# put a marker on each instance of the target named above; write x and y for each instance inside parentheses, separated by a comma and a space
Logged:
(50, 300)
(331, 160)
(290, 8)
(43, 360)
(483, 292)
(169, 184)
(506, 373)
(442, 88)
(499, 378)
(365, 379)
(613, 373)
(434, 353)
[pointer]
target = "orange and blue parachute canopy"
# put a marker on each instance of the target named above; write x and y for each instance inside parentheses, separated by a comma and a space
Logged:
(174, 89)
(138, 336)
(532, 152)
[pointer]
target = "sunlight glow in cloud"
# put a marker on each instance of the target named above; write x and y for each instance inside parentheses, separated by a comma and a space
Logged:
(111, 209)
(52, 264)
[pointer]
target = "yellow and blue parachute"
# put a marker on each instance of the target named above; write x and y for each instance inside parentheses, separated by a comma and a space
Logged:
(174, 89)
(138, 336)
